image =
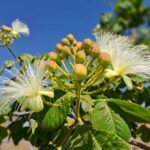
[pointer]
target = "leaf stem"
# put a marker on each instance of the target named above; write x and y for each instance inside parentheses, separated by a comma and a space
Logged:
(77, 111)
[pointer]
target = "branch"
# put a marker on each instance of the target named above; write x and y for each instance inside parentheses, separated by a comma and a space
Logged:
(139, 144)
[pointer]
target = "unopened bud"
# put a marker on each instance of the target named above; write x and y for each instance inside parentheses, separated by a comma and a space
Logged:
(79, 45)
(95, 51)
(65, 41)
(80, 56)
(66, 50)
(74, 43)
(87, 43)
(79, 72)
(71, 38)
(6, 28)
(52, 65)
(36, 104)
(58, 47)
(104, 59)
(52, 56)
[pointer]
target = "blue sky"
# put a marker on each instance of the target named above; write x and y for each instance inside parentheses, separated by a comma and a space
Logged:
(49, 21)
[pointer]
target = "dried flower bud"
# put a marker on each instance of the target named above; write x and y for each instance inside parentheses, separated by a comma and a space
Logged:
(52, 65)
(58, 47)
(95, 51)
(87, 43)
(80, 56)
(104, 59)
(52, 56)
(79, 72)
(65, 41)
(71, 38)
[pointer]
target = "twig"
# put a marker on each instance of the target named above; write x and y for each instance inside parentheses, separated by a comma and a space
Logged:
(139, 144)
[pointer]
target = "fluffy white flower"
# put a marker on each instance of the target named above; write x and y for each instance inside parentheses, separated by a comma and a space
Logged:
(20, 27)
(28, 85)
(126, 58)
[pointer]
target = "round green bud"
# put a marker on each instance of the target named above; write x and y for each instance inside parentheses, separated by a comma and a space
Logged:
(58, 47)
(87, 43)
(80, 57)
(65, 41)
(95, 50)
(52, 56)
(36, 104)
(74, 43)
(52, 65)
(71, 38)
(79, 72)
(104, 59)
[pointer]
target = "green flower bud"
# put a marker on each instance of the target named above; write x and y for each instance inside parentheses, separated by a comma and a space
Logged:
(36, 104)
(79, 72)
(65, 41)
(104, 59)
(87, 43)
(52, 56)
(74, 43)
(52, 65)
(58, 47)
(73, 49)
(71, 38)
(80, 57)
(95, 51)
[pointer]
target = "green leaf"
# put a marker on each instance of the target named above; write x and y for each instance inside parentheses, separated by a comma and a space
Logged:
(108, 141)
(86, 103)
(3, 133)
(54, 117)
(105, 119)
(9, 64)
(131, 111)
(85, 138)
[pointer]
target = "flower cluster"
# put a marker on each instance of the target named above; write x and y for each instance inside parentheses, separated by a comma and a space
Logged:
(81, 64)
(8, 34)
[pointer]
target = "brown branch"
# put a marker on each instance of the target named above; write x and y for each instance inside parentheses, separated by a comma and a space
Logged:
(139, 144)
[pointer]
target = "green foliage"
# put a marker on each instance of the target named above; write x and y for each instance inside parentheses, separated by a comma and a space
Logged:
(105, 119)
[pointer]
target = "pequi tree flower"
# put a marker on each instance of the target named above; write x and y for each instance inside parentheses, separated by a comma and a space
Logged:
(28, 85)
(126, 59)
(19, 27)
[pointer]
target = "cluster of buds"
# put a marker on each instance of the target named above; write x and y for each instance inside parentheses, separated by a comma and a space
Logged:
(6, 35)
(78, 56)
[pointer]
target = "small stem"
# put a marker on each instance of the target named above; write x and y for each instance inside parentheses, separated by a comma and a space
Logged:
(65, 67)
(138, 144)
(77, 112)
(63, 72)
(52, 104)
(12, 53)
(102, 88)
(70, 63)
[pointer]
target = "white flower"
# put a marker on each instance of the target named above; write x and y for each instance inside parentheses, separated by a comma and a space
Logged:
(28, 85)
(20, 27)
(126, 58)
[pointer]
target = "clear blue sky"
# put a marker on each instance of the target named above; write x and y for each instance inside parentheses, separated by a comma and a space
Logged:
(49, 21)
